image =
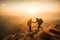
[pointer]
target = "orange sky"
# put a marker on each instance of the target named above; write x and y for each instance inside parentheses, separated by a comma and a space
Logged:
(43, 9)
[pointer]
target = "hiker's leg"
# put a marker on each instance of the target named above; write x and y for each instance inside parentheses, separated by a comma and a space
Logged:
(38, 27)
(30, 28)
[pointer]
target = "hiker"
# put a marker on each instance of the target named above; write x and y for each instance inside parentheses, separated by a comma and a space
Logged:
(29, 24)
(39, 22)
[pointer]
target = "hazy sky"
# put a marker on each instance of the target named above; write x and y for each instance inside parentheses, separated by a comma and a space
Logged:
(37, 6)
(32, 8)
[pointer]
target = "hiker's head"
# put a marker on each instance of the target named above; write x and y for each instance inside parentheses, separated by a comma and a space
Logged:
(36, 18)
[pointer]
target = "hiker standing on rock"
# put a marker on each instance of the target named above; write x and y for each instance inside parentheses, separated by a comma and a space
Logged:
(29, 23)
(39, 22)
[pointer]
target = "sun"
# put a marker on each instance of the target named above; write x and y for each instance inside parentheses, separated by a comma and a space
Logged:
(31, 11)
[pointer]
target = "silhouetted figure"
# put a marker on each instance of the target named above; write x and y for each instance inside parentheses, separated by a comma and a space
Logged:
(39, 22)
(29, 24)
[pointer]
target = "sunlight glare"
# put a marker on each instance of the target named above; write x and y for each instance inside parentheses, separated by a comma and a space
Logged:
(31, 11)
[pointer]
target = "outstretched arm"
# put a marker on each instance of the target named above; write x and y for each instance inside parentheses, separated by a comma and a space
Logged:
(34, 22)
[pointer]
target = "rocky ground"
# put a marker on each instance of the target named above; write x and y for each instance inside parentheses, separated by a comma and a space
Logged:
(48, 33)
